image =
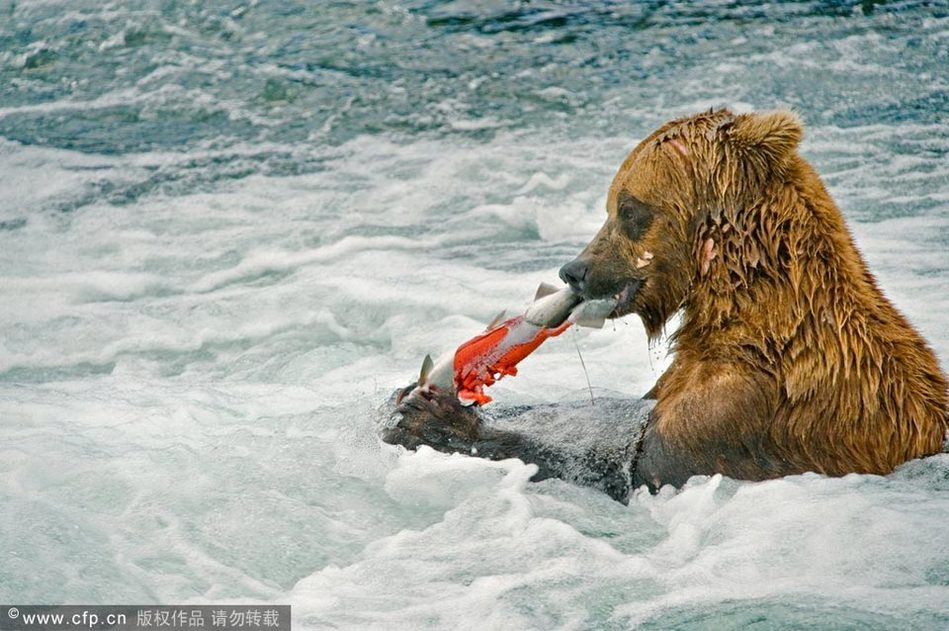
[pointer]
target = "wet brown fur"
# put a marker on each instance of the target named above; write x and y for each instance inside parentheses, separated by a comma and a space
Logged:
(789, 357)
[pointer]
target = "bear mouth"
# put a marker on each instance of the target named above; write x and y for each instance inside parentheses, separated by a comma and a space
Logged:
(624, 299)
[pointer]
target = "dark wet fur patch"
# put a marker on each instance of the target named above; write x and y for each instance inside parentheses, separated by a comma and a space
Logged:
(635, 216)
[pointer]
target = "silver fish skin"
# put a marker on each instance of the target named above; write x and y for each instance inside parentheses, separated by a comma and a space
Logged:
(440, 374)
(552, 306)
(593, 313)
(551, 309)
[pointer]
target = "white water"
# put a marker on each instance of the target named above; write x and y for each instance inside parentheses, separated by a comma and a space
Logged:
(194, 342)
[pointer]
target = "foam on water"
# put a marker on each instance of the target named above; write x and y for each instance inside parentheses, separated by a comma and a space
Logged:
(222, 247)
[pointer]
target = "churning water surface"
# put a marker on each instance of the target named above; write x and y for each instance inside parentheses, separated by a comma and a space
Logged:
(228, 230)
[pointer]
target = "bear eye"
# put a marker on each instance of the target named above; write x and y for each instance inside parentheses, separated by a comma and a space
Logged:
(634, 215)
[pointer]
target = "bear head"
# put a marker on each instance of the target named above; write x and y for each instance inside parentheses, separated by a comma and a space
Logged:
(654, 248)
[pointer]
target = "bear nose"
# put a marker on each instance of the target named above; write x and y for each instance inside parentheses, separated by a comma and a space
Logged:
(574, 274)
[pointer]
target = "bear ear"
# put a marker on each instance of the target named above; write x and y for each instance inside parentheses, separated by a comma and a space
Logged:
(770, 136)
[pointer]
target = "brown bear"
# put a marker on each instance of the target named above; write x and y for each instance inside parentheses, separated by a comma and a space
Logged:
(788, 358)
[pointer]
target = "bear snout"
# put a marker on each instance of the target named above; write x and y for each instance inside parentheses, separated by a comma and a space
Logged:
(575, 274)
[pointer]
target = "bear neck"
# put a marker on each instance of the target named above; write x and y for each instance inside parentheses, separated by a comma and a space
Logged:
(784, 262)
